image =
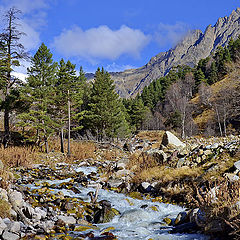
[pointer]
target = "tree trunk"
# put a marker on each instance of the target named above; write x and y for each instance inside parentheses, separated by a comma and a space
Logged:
(62, 141)
(69, 126)
(46, 145)
(6, 128)
(219, 123)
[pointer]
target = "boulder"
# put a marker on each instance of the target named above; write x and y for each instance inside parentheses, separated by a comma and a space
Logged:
(67, 219)
(16, 199)
(14, 227)
(237, 165)
(10, 236)
(180, 162)
(231, 176)
(2, 225)
(155, 154)
(3, 194)
(171, 139)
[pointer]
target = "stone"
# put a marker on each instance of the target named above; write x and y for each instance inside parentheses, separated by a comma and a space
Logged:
(155, 154)
(121, 165)
(16, 199)
(181, 218)
(214, 146)
(39, 213)
(10, 236)
(14, 227)
(67, 219)
(171, 139)
(122, 173)
(3, 194)
(13, 214)
(3, 225)
(180, 162)
(47, 225)
(237, 165)
(232, 177)
(208, 152)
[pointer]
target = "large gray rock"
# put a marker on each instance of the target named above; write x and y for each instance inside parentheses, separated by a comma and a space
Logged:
(14, 227)
(3, 194)
(155, 154)
(10, 236)
(67, 219)
(34, 213)
(171, 139)
(237, 165)
(3, 225)
(16, 199)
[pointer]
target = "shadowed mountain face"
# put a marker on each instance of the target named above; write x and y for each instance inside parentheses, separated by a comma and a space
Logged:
(195, 46)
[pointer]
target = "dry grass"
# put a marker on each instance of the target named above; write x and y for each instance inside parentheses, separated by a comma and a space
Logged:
(4, 209)
(80, 150)
(165, 175)
(151, 135)
(110, 154)
(18, 156)
(146, 168)
(141, 162)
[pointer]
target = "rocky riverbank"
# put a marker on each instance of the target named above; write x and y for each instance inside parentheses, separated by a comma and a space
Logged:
(124, 194)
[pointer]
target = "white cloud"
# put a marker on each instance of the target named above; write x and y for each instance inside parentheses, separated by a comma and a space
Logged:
(32, 39)
(33, 17)
(21, 76)
(172, 34)
(101, 42)
(114, 67)
(26, 6)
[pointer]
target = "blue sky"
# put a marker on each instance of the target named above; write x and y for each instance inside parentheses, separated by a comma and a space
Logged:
(115, 34)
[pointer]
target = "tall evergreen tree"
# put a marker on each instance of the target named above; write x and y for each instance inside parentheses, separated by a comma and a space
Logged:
(39, 92)
(70, 87)
(105, 115)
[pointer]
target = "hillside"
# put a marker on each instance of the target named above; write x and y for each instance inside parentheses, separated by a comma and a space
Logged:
(220, 92)
(195, 46)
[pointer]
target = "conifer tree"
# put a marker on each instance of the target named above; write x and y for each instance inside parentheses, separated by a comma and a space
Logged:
(137, 112)
(213, 76)
(199, 78)
(70, 87)
(105, 116)
(39, 92)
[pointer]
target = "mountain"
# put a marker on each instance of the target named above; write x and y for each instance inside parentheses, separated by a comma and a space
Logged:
(194, 46)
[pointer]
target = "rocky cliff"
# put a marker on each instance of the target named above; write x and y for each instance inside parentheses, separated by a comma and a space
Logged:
(195, 46)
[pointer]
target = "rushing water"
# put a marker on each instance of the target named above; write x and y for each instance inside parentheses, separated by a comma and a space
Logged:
(139, 219)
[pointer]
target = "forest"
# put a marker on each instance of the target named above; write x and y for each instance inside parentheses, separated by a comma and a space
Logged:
(56, 92)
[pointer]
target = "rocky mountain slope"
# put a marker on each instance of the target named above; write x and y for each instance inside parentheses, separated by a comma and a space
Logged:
(195, 46)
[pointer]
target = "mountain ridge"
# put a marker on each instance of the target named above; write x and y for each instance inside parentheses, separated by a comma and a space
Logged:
(194, 46)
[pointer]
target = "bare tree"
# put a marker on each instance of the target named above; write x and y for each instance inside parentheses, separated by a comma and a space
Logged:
(14, 51)
(177, 103)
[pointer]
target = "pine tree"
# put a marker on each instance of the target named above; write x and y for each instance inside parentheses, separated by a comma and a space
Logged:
(104, 116)
(137, 112)
(199, 78)
(213, 76)
(39, 92)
